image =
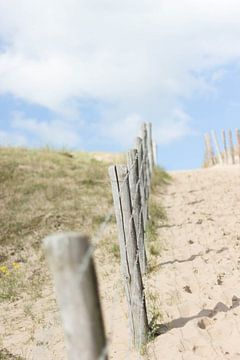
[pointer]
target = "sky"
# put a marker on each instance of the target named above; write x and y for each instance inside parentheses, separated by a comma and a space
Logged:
(84, 74)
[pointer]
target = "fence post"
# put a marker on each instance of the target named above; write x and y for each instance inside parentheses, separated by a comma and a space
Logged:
(155, 153)
(129, 255)
(141, 169)
(219, 155)
(206, 151)
(232, 152)
(238, 143)
(70, 260)
(225, 147)
(210, 153)
(150, 147)
(146, 171)
(137, 208)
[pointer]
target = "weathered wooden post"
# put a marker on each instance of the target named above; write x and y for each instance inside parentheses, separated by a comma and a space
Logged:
(144, 205)
(155, 153)
(232, 152)
(225, 147)
(129, 255)
(210, 153)
(70, 259)
(146, 170)
(219, 155)
(137, 209)
(238, 143)
(206, 152)
(150, 147)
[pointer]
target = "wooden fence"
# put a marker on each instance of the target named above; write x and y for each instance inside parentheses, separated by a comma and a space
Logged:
(131, 189)
(223, 149)
(70, 258)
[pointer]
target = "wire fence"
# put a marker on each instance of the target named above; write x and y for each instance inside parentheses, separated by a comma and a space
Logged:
(70, 259)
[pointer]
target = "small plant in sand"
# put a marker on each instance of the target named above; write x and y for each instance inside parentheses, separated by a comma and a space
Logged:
(159, 179)
(11, 281)
(6, 355)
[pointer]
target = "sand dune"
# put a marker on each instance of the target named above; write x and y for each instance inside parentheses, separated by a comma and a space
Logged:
(195, 281)
(198, 280)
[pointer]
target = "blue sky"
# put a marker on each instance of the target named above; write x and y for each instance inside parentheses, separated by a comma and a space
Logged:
(84, 74)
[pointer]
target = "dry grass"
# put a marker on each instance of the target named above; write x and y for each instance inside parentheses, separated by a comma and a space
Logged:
(42, 192)
(45, 191)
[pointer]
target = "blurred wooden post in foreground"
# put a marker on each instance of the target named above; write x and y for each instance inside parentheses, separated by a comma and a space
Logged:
(70, 259)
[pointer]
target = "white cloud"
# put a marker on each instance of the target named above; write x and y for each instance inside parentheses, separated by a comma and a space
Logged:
(176, 126)
(122, 131)
(12, 139)
(54, 133)
(142, 56)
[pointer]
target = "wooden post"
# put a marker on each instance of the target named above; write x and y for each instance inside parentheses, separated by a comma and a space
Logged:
(155, 153)
(69, 257)
(238, 143)
(232, 152)
(219, 155)
(145, 156)
(209, 149)
(146, 170)
(206, 154)
(139, 148)
(129, 255)
(150, 147)
(225, 147)
(137, 209)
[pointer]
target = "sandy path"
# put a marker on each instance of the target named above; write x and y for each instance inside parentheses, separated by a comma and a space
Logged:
(198, 277)
(195, 283)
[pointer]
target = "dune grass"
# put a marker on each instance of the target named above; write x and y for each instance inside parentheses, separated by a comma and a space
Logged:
(43, 192)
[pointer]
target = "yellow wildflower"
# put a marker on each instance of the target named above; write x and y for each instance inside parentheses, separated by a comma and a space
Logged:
(16, 265)
(4, 270)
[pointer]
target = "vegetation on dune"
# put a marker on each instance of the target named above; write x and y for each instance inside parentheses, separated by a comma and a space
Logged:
(41, 192)
(45, 191)
(160, 178)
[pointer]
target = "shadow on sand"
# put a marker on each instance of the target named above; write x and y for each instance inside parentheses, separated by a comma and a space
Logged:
(191, 258)
(159, 329)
